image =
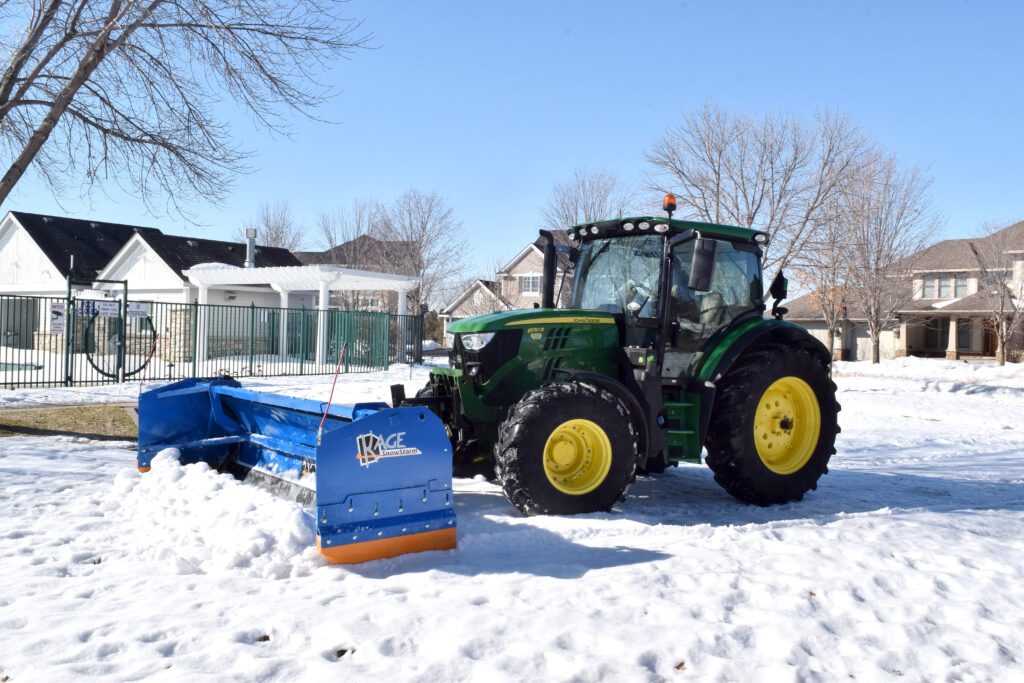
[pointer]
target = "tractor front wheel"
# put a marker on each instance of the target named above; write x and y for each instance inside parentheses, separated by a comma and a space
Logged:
(774, 425)
(566, 448)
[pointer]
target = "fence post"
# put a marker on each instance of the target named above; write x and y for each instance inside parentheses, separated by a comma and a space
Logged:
(195, 337)
(122, 349)
(252, 333)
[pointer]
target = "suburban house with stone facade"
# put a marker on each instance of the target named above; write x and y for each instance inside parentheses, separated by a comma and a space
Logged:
(954, 309)
(516, 285)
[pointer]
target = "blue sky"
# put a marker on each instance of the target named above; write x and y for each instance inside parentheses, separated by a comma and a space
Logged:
(490, 103)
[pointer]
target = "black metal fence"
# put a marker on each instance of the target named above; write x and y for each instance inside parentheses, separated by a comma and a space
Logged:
(57, 341)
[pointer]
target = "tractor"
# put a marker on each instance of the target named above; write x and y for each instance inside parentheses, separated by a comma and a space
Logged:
(663, 349)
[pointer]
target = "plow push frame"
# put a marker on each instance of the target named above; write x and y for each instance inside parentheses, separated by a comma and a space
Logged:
(383, 475)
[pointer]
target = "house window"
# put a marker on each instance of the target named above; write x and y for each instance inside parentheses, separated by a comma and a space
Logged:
(529, 284)
(961, 286)
(963, 332)
(946, 287)
(928, 290)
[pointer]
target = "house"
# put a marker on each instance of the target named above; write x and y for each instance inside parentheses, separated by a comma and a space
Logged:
(36, 254)
(516, 285)
(42, 256)
(953, 310)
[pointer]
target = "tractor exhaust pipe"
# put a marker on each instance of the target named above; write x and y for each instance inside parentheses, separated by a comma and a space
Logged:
(547, 291)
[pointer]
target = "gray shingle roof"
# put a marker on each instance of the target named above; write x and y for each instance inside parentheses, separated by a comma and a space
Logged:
(181, 253)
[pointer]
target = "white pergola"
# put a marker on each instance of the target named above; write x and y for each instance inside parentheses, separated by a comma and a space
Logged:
(287, 280)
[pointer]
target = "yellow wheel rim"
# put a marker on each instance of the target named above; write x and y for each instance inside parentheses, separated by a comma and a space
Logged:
(787, 424)
(577, 457)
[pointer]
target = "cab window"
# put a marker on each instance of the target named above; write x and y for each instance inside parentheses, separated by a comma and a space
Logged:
(694, 317)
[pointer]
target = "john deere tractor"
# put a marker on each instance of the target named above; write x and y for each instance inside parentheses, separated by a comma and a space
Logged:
(663, 348)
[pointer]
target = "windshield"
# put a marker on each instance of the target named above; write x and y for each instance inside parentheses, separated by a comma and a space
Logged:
(619, 274)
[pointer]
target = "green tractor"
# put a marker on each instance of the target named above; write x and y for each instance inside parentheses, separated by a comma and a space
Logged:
(663, 349)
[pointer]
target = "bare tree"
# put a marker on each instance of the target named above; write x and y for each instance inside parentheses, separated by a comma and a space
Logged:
(275, 226)
(887, 218)
(126, 91)
(587, 196)
(823, 267)
(1001, 282)
(773, 174)
(351, 237)
(433, 243)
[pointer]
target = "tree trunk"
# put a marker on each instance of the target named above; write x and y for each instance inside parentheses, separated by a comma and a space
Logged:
(831, 342)
(875, 345)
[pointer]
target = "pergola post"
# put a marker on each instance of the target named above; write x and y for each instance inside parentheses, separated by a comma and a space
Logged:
(201, 333)
(403, 301)
(282, 347)
(323, 302)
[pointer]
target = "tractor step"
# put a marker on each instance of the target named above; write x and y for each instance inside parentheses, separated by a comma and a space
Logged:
(681, 430)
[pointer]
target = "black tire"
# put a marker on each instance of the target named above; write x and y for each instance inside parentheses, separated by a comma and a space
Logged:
(466, 462)
(524, 433)
(731, 444)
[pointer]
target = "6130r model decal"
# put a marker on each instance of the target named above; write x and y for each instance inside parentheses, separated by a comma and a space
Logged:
(373, 447)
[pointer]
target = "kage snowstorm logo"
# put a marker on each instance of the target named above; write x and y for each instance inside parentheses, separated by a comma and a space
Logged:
(373, 447)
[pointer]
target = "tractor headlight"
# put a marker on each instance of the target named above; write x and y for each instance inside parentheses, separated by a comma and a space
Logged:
(475, 342)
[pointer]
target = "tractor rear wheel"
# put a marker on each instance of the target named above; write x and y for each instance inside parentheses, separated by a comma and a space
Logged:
(566, 448)
(774, 425)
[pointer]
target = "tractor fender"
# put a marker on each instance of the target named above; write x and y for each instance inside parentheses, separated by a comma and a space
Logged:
(621, 392)
(754, 333)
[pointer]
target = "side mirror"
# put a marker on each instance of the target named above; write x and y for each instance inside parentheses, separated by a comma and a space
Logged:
(779, 288)
(702, 267)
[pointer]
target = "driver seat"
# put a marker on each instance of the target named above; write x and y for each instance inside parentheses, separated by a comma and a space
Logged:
(712, 310)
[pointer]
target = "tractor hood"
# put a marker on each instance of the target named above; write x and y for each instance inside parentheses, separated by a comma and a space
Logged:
(520, 319)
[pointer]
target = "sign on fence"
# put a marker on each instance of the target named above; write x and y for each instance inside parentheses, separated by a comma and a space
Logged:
(138, 309)
(57, 317)
(108, 309)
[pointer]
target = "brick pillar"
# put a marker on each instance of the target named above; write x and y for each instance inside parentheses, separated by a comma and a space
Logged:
(901, 341)
(952, 353)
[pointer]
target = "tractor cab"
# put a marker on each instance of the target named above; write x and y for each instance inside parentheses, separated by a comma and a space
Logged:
(673, 285)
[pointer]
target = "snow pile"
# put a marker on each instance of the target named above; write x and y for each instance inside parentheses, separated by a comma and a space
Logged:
(953, 375)
(200, 521)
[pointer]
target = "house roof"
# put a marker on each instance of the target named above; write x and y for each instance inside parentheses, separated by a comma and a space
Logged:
(947, 255)
(958, 255)
(93, 243)
(807, 307)
(986, 300)
(489, 286)
(182, 253)
(365, 251)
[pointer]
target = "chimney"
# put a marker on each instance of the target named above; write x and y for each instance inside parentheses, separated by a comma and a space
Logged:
(250, 247)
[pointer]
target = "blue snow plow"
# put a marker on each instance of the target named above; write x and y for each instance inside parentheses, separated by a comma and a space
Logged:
(383, 475)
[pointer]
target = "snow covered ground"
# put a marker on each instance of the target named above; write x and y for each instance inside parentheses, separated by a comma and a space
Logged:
(907, 562)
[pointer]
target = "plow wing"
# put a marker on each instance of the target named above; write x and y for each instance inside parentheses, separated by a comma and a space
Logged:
(379, 477)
